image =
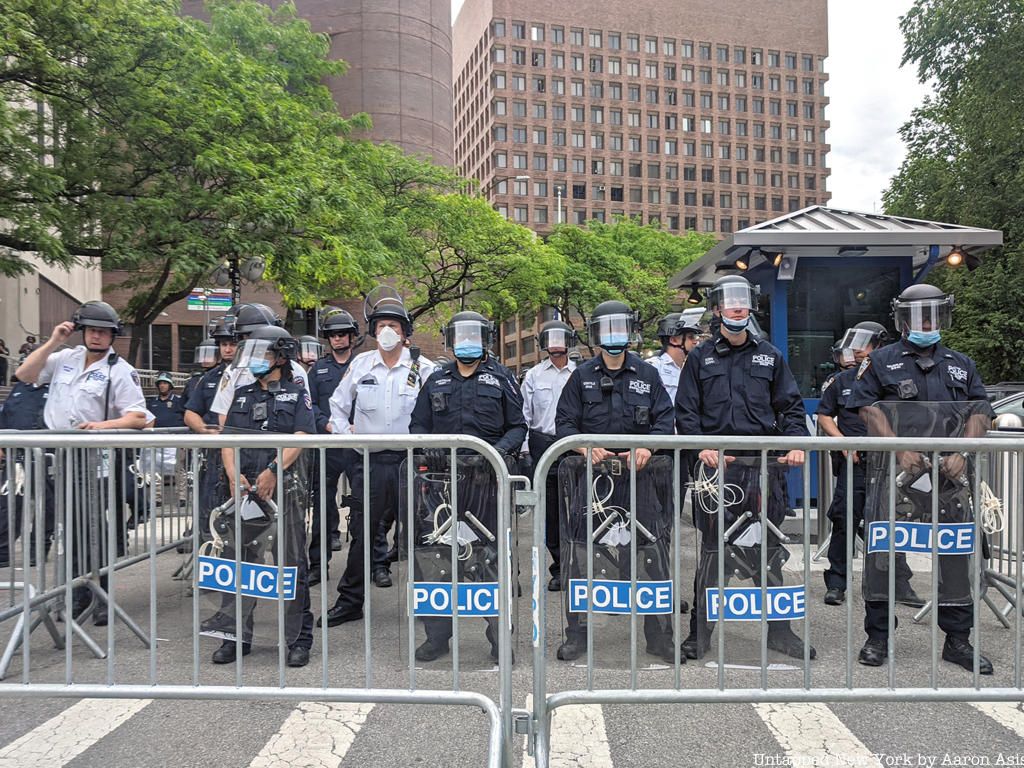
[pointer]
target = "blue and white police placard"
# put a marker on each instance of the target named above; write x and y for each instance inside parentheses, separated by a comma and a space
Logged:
(434, 598)
(652, 597)
(255, 579)
(953, 538)
(744, 603)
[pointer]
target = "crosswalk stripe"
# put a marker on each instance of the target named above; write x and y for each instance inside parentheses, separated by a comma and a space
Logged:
(813, 732)
(315, 735)
(578, 738)
(63, 737)
(1007, 713)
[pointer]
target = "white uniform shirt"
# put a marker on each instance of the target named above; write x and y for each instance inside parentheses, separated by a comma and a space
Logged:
(79, 394)
(541, 389)
(669, 372)
(233, 378)
(384, 398)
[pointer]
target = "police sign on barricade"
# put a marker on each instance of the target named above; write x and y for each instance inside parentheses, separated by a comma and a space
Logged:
(750, 568)
(249, 588)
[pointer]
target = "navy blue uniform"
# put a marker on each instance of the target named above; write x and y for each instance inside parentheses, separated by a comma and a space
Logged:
(23, 410)
(903, 372)
(835, 394)
(212, 485)
(169, 412)
(486, 404)
(324, 376)
(200, 399)
(190, 386)
(629, 400)
(742, 390)
(285, 409)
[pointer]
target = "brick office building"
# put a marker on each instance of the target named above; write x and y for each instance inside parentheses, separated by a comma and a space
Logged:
(696, 114)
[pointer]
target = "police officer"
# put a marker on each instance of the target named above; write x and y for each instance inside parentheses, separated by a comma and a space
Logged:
(677, 339)
(542, 387)
(836, 420)
(23, 410)
(377, 396)
(340, 330)
(91, 388)
(249, 317)
(919, 367)
(167, 407)
(614, 392)
(738, 384)
(273, 402)
(475, 396)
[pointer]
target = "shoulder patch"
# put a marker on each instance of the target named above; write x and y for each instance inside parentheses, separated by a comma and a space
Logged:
(287, 397)
(863, 368)
(489, 378)
(135, 378)
(828, 383)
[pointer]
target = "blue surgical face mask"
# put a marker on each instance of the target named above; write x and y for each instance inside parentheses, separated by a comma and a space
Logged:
(615, 343)
(259, 368)
(468, 352)
(736, 325)
(923, 338)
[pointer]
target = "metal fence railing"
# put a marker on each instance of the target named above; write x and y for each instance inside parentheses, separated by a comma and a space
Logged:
(941, 516)
(244, 558)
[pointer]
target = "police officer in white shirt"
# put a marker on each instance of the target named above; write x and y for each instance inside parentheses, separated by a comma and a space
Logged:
(91, 388)
(541, 389)
(248, 318)
(677, 341)
(376, 396)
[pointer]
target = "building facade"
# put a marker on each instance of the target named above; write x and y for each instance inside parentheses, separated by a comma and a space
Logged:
(694, 114)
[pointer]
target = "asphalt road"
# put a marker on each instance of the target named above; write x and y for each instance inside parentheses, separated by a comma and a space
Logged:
(108, 734)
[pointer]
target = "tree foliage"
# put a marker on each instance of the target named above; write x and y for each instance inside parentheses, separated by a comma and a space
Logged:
(171, 143)
(965, 163)
(621, 260)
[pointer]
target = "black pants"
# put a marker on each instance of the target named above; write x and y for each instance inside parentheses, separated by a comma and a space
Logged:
(7, 540)
(384, 480)
(539, 443)
(94, 509)
(337, 465)
(835, 574)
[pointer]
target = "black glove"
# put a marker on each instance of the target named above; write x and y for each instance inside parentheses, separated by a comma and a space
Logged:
(511, 461)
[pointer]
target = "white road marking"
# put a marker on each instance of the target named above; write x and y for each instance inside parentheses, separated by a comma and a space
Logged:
(315, 735)
(62, 738)
(813, 732)
(578, 738)
(1007, 713)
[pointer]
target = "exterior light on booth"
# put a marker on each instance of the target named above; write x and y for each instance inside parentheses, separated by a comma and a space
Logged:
(955, 257)
(743, 262)
(694, 297)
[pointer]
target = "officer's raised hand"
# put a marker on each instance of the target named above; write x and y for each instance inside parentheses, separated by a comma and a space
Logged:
(61, 333)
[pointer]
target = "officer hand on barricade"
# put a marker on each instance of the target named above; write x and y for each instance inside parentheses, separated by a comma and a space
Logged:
(793, 459)
(266, 483)
(910, 461)
(598, 454)
(709, 458)
(953, 466)
(642, 457)
(245, 484)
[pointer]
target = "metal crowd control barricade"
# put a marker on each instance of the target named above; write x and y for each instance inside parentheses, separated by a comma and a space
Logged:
(258, 566)
(743, 518)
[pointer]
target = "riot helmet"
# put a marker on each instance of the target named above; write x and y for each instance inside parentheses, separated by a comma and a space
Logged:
(556, 337)
(263, 350)
(310, 349)
(667, 326)
(384, 301)
(249, 317)
(921, 312)
(97, 314)
(164, 378)
(733, 299)
(468, 335)
(611, 326)
(334, 320)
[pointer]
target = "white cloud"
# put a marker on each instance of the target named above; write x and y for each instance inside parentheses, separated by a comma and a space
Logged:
(870, 98)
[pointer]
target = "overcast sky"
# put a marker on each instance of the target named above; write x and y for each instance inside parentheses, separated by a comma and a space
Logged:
(871, 97)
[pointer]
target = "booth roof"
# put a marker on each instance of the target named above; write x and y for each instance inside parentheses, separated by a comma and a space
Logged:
(830, 232)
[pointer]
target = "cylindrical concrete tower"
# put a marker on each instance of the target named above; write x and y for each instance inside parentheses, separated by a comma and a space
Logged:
(400, 58)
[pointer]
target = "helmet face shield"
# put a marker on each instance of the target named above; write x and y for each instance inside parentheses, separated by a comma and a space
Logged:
(254, 354)
(923, 315)
(859, 340)
(465, 333)
(310, 350)
(555, 339)
(612, 330)
(738, 295)
(205, 355)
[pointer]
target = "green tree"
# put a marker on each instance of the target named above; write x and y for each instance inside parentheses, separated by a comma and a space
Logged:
(170, 143)
(965, 163)
(622, 260)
